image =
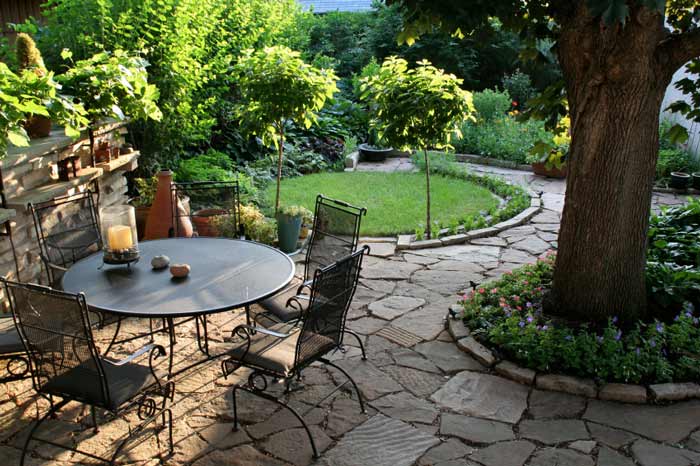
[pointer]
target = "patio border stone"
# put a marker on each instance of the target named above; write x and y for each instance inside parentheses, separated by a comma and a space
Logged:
(621, 392)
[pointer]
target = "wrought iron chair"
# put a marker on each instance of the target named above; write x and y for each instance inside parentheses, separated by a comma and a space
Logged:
(284, 350)
(68, 230)
(57, 336)
(335, 234)
(12, 352)
(203, 201)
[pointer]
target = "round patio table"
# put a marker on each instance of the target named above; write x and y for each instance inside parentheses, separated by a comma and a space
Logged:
(225, 274)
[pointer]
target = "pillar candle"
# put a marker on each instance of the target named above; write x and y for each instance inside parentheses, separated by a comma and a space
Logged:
(119, 237)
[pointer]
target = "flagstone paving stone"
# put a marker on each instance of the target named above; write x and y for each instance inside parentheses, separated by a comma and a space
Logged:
(427, 402)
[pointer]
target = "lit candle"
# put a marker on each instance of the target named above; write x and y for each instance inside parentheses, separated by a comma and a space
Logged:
(119, 238)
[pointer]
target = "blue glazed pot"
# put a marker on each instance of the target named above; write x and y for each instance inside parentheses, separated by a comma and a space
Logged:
(288, 229)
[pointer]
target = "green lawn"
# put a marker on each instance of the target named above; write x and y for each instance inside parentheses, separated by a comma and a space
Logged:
(395, 202)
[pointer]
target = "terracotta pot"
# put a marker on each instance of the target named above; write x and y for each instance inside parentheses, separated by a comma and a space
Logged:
(141, 218)
(160, 218)
(38, 126)
(202, 221)
(539, 168)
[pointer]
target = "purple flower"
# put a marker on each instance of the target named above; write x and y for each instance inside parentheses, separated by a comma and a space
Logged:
(678, 317)
(689, 315)
(660, 327)
(618, 335)
(568, 338)
(695, 320)
(614, 320)
(600, 339)
(528, 304)
(529, 319)
(689, 307)
(652, 343)
(664, 352)
(521, 324)
(544, 327)
(637, 351)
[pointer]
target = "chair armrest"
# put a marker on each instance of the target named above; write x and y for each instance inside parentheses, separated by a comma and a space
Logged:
(57, 267)
(306, 285)
(146, 349)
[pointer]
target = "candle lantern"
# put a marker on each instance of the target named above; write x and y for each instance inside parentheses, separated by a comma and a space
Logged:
(119, 239)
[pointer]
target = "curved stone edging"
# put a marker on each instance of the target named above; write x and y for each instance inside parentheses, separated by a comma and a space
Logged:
(626, 393)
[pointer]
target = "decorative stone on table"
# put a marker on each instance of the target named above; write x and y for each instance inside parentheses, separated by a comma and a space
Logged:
(160, 262)
(179, 270)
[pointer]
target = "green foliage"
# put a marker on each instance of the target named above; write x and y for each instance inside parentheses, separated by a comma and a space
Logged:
(504, 138)
(27, 94)
(673, 269)
(209, 166)
(295, 211)
(507, 313)
(112, 85)
(519, 87)
(418, 107)
(491, 104)
(255, 225)
(673, 160)
(28, 56)
(146, 188)
(190, 44)
(276, 86)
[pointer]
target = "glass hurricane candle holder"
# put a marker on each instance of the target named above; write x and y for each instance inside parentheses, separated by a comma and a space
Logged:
(119, 239)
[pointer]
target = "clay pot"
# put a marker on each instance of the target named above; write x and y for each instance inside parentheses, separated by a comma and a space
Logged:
(141, 218)
(37, 126)
(160, 217)
(202, 221)
(539, 168)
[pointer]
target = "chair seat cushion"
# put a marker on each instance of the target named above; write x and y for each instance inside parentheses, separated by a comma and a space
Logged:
(277, 354)
(10, 342)
(82, 382)
(277, 304)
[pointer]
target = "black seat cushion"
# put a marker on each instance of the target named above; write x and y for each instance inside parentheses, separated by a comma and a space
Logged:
(277, 305)
(82, 382)
(10, 343)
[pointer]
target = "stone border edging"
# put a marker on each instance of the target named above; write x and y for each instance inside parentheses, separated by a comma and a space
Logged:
(625, 393)
(492, 162)
(407, 242)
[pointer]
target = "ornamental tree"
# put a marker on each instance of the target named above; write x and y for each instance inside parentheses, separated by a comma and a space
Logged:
(276, 87)
(419, 108)
(617, 58)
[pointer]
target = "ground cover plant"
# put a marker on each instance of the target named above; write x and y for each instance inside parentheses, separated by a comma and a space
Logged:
(507, 314)
(395, 201)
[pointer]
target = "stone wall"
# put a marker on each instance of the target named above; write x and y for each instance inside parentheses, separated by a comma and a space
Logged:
(30, 175)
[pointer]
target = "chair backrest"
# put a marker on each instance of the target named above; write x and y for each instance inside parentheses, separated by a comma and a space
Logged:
(67, 229)
(335, 233)
(203, 201)
(331, 294)
(55, 329)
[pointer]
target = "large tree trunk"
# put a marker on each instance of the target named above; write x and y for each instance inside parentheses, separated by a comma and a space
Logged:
(615, 87)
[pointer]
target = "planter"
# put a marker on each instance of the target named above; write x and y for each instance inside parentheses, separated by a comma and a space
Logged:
(203, 224)
(680, 181)
(374, 154)
(160, 217)
(38, 126)
(696, 180)
(288, 229)
(539, 168)
(141, 218)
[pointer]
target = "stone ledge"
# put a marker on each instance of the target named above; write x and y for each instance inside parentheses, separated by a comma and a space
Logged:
(620, 392)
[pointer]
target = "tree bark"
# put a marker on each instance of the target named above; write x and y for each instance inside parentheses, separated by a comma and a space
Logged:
(427, 194)
(615, 89)
(280, 155)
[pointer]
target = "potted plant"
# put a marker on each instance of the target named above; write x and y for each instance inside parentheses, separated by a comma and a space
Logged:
(111, 85)
(306, 223)
(28, 94)
(552, 165)
(373, 150)
(277, 87)
(420, 107)
(549, 158)
(146, 188)
(289, 221)
(680, 181)
(696, 180)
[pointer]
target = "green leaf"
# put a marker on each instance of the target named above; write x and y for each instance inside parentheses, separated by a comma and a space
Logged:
(677, 134)
(18, 137)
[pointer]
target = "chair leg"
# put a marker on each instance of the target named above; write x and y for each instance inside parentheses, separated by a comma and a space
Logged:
(291, 410)
(51, 412)
(235, 409)
(114, 338)
(359, 340)
(357, 390)
(93, 413)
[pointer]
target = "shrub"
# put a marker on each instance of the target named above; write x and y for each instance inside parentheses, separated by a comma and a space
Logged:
(491, 104)
(519, 87)
(216, 166)
(504, 138)
(673, 160)
(255, 225)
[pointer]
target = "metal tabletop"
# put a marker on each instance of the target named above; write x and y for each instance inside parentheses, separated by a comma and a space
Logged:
(226, 274)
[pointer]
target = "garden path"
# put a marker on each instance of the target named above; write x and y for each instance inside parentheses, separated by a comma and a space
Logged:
(429, 403)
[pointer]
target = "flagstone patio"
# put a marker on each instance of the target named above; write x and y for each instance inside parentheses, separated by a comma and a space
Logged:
(428, 403)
